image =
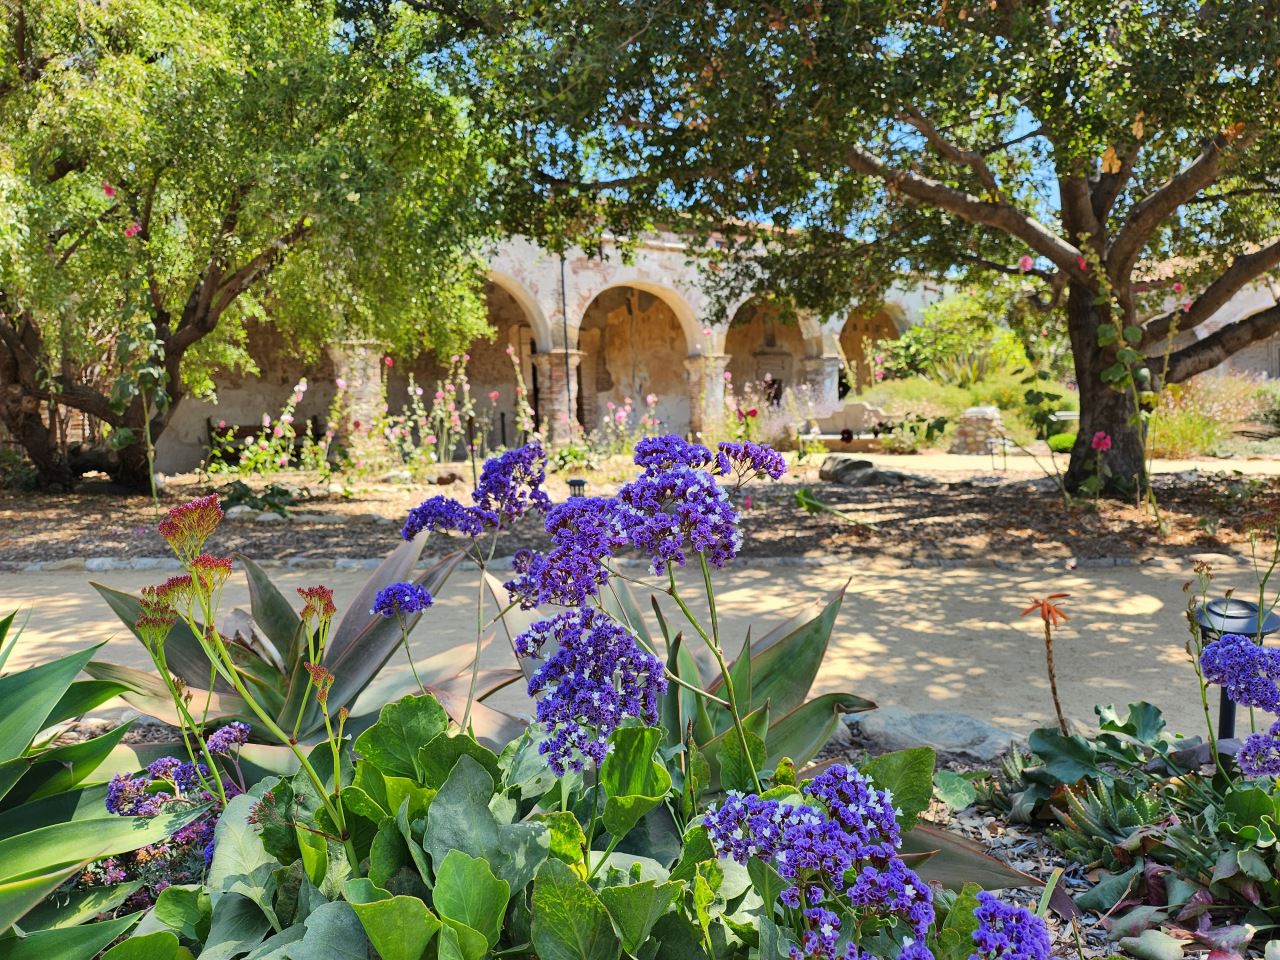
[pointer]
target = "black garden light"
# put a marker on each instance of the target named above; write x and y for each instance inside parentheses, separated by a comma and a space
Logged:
(577, 488)
(1229, 615)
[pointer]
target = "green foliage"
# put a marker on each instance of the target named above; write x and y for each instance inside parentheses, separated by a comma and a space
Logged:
(1062, 442)
(957, 342)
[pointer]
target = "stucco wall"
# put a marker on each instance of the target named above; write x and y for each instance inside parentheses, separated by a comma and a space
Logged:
(757, 344)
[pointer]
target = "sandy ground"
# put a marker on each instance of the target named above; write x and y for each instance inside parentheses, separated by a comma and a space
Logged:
(928, 639)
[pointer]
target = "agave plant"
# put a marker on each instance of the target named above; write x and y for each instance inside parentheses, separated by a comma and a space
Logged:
(53, 819)
(270, 647)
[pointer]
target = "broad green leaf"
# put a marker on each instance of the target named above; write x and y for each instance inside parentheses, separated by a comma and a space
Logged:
(567, 839)
(774, 943)
(942, 857)
(768, 883)
(183, 653)
(186, 910)
(400, 928)
(437, 757)
(459, 819)
(47, 849)
(460, 942)
(680, 706)
(393, 742)
(30, 696)
(908, 776)
(955, 938)
(63, 768)
(467, 891)
(70, 908)
(636, 907)
(807, 729)
(740, 673)
(334, 932)
(81, 697)
(634, 783)
(388, 852)
(272, 613)
(161, 945)
(241, 863)
(1066, 759)
(1152, 945)
(314, 850)
(237, 926)
(82, 942)
(569, 921)
(955, 791)
(735, 766)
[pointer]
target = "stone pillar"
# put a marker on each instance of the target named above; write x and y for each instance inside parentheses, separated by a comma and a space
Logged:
(822, 374)
(358, 369)
(558, 402)
(706, 394)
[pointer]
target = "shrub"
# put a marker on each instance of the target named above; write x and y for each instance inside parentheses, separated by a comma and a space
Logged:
(1062, 442)
(1194, 418)
(16, 471)
(599, 829)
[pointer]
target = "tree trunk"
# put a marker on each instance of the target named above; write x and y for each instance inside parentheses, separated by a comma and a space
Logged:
(1103, 409)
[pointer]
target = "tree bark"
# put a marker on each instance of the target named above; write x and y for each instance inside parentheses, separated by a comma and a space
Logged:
(1103, 409)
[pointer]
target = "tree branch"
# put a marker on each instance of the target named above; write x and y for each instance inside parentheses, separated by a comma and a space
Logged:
(999, 215)
(1244, 270)
(1218, 346)
(258, 267)
(1109, 186)
(972, 159)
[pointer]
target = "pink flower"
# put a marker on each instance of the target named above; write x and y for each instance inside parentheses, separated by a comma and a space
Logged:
(277, 432)
(1178, 287)
(439, 394)
(133, 229)
(494, 395)
(746, 502)
(1025, 263)
(620, 416)
(651, 399)
(452, 407)
(340, 384)
(388, 361)
(1101, 441)
(1186, 306)
(108, 189)
(466, 357)
(1082, 263)
(431, 438)
(727, 376)
(454, 358)
(611, 405)
(222, 424)
(707, 331)
(510, 350)
(286, 418)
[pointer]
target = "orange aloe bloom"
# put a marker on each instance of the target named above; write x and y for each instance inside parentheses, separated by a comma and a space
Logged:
(1048, 610)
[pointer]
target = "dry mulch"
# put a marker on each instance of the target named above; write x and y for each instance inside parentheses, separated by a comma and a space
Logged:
(1010, 515)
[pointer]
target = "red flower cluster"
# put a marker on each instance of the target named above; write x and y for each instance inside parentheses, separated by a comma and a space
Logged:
(188, 526)
(209, 573)
(158, 614)
(317, 604)
(322, 679)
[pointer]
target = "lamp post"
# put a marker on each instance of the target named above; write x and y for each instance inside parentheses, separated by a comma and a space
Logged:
(577, 487)
(1229, 615)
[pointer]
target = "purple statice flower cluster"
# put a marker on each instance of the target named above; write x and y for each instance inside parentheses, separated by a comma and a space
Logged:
(821, 938)
(510, 486)
(656, 454)
(844, 841)
(226, 739)
(585, 531)
(401, 599)
(1247, 672)
(748, 460)
(597, 677)
(665, 512)
(1259, 755)
(1008, 932)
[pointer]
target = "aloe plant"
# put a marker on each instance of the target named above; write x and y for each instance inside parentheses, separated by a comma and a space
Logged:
(270, 649)
(53, 821)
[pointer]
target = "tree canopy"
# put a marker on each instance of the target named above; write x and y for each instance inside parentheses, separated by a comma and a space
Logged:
(173, 169)
(1121, 157)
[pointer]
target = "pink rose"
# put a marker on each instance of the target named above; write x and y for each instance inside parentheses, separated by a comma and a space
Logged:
(340, 384)
(431, 438)
(1025, 263)
(1178, 287)
(388, 361)
(494, 395)
(1101, 441)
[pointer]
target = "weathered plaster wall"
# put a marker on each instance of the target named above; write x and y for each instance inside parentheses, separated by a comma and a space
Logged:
(759, 345)
(860, 333)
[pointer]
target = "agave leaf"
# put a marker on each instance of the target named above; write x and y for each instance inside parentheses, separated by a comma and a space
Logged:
(942, 857)
(680, 706)
(30, 696)
(740, 673)
(185, 656)
(493, 728)
(803, 732)
(363, 642)
(18, 897)
(8, 644)
(148, 693)
(786, 661)
(272, 613)
(63, 768)
(83, 696)
(619, 601)
(390, 685)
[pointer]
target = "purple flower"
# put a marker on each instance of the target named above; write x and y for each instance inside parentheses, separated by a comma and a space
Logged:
(188, 776)
(1008, 932)
(656, 454)
(665, 511)
(585, 532)
(1260, 753)
(445, 515)
(401, 599)
(597, 677)
(821, 938)
(511, 484)
(164, 769)
(748, 460)
(224, 740)
(129, 797)
(1246, 671)
(867, 815)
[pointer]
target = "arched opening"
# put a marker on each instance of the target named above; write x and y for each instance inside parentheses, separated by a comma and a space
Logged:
(858, 338)
(766, 352)
(633, 346)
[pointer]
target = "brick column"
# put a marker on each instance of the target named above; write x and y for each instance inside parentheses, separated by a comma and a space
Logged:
(823, 376)
(706, 394)
(359, 366)
(558, 405)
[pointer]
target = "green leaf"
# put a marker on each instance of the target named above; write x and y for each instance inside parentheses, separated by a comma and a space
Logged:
(955, 791)
(313, 848)
(70, 908)
(774, 943)
(459, 818)
(334, 932)
(1066, 759)
(182, 650)
(186, 910)
(83, 696)
(740, 671)
(161, 945)
(568, 842)
(633, 782)
(237, 926)
(467, 891)
(808, 728)
(908, 775)
(681, 706)
(459, 942)
(63, 768)
(272, 613)
(392, 744)
(241, 863)
(30, 696)
(1133, 333)
(436, 758)
(17, 897)
(388, 852)
(1152, 945)
(569, 921)
(400, 928)
(636, 907)
(955, 938)
(67, 943)
(768, 883)
(735, 766)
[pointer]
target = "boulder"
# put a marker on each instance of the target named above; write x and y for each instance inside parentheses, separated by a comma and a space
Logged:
(851, 471)
(893, 727)
(241, 512)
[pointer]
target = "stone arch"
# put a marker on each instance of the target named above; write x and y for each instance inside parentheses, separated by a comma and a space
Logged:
(861, 330)
(684, 307)
(764, 348)
(527, 302)
(634, 339)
